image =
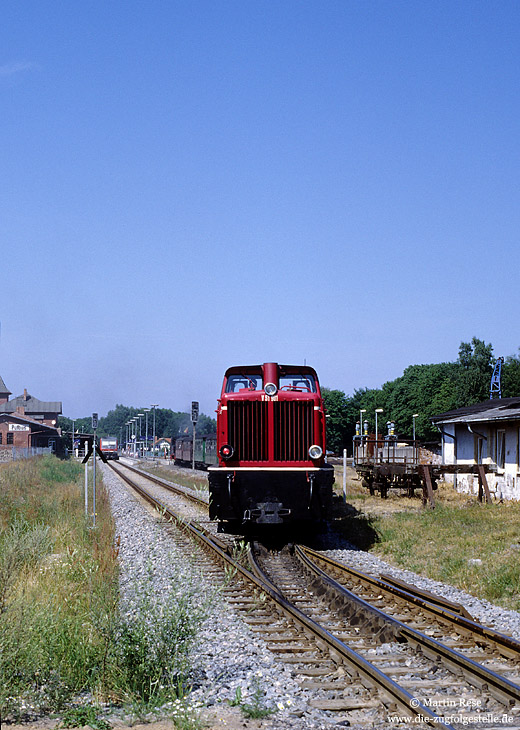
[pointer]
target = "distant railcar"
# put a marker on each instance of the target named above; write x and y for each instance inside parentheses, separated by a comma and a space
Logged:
(205, 451)
(108, 446)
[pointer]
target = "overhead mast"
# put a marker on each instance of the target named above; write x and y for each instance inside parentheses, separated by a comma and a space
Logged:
(495, 390)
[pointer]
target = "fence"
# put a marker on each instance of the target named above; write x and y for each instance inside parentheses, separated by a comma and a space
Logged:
(368, 451)
(13, 453)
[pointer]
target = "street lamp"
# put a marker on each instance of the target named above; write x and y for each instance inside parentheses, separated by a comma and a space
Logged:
(414, 416)
(378, 410)
(146, 427)
(140, 435)
(361, 411)
(134, 439)
(154, 406)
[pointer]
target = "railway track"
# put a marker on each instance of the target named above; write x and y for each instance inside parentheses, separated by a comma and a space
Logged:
(365, 665)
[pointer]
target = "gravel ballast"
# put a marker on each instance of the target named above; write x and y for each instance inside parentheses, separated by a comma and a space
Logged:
(230, 659)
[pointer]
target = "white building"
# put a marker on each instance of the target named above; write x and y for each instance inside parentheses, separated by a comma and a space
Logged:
(486, 433)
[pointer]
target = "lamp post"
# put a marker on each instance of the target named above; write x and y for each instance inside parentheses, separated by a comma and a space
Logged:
(361, 411)
(134, 422)
(415, 449)
(146, 428)
(140, 434)
(414, 416)
(378, 410)
(154, 406)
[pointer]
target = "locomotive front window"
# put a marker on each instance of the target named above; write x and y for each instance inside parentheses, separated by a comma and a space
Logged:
(236, 383)
(298, 382)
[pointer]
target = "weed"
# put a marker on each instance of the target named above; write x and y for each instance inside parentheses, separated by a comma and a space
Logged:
(256, 708)
(21, 546)
(149, 649)
(84, 715)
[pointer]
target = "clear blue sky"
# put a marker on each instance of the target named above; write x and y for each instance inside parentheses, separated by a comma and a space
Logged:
(192, 185)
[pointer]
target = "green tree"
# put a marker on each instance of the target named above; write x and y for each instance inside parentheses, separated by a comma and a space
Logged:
(476, 365)
(511, 376)
(426, 390)
(335, 403)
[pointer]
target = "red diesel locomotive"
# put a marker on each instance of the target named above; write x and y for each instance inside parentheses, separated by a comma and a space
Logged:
(271, 447)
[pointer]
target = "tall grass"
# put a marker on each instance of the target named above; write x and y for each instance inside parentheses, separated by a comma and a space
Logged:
(58, 581)
(61, 633)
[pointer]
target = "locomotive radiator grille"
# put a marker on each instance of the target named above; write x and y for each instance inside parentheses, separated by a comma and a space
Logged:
(247, 430)
(293, 430)
(292, 435)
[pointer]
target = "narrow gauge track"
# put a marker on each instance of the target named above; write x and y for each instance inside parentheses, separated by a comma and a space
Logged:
(323, 661)
(423, 665)
(432, 614)
(167, 484)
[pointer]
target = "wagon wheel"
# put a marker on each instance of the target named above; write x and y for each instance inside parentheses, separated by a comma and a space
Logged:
(383, 487)
(410, 486)
(369, 484)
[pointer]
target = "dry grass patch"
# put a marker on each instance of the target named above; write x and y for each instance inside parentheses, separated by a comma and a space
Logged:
(473, 546)
(198, 480)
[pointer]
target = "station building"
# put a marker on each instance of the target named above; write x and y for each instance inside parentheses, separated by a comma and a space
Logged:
(27, 422)
(162, 446)
(486, 433)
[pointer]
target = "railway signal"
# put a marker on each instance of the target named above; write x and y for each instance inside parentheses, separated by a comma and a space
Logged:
(194, 411)
(194, 419)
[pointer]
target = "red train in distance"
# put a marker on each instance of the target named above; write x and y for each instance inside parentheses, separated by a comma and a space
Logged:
(271, 447)
(109, 447)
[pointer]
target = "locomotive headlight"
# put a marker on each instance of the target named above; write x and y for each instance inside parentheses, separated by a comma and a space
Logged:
(226, 451)
(270, 389)
(315, 451)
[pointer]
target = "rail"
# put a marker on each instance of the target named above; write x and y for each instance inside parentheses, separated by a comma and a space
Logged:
(404, 700)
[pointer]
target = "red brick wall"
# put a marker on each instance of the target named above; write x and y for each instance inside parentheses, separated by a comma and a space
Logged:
(21, 439)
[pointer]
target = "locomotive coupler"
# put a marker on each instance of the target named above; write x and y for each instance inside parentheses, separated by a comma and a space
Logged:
(272, 513)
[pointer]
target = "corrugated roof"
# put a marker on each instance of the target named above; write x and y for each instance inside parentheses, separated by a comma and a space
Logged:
(4, 390)
(32, 404)
(497, 409)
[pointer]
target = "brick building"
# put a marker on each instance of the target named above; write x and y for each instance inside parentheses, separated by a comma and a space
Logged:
(26, 421)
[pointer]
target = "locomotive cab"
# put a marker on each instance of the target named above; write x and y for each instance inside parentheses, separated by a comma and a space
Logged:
(271, 447)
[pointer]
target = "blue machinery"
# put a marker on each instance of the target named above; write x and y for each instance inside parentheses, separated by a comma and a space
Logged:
(495, 390)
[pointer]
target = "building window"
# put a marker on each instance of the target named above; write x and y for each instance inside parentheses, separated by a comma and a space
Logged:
(480, 449)
(501, 449)
(9, 438)
(1, 437)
